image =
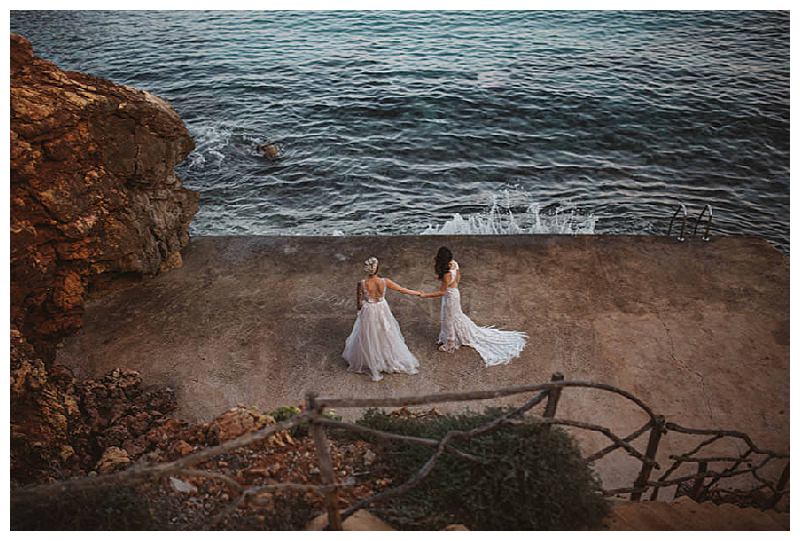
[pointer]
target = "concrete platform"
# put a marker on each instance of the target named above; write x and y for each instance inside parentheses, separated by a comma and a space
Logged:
(700, 331)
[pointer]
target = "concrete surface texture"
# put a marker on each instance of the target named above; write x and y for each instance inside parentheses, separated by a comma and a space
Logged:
(686, 514)
(699, 331)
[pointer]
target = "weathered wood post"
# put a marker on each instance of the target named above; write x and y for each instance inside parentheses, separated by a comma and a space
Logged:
(553, 395)
(699, 478)
(652, 449)
(325, 463)
(773, 501)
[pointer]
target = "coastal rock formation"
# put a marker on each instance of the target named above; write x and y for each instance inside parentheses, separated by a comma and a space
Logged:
(93, 191)
(61, 427)
(45, 417)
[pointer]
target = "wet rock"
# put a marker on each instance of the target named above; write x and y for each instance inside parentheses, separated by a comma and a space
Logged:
(271, 151)
(93, 191)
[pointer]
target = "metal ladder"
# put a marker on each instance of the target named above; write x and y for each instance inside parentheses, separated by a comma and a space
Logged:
(682, 208)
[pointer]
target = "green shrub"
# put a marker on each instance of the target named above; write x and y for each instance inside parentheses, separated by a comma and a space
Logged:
(531, 478)
(103, 508)
(284, 413)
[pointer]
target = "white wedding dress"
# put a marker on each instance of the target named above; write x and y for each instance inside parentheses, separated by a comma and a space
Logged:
(376, 344)
(495, 346)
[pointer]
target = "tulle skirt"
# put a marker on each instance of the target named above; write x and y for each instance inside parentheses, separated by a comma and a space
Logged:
(376, 344)
(495, 346)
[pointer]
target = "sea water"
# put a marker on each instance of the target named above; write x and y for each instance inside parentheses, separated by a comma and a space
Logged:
(459, 122)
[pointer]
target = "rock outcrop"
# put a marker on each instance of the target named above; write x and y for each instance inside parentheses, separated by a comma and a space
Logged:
(94, 197)
(93, 191)
(235, 422)
(61, 427)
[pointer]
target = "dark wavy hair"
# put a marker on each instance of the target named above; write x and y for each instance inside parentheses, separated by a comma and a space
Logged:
(443, 259)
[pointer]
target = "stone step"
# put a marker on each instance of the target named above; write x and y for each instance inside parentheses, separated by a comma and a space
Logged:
(686, 514)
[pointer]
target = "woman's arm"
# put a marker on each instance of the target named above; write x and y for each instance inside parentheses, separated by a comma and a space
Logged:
(442, 288)
(359, 300)
(397, 287)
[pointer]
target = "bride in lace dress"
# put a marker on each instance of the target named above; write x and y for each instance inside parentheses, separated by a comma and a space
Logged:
(495, 346)
(376, 344)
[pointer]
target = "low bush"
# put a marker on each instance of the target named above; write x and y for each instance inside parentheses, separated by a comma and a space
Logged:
(104, 508)
(531, 478)
(284, 413)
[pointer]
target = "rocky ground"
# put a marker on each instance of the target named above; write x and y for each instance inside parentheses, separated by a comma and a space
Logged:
(62, 427)
(186, 501)
(198, 503)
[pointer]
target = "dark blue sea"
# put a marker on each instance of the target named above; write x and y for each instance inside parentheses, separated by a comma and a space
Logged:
(489, 122)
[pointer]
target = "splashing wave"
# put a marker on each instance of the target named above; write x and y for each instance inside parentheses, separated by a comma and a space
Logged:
(535, 219)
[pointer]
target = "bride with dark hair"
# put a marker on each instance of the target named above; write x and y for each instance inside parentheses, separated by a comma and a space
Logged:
(495, 346)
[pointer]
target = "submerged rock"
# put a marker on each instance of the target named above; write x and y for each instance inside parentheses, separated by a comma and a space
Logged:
(271, 151)
(93, 190)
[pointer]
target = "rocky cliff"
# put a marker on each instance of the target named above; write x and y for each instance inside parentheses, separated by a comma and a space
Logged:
(93, 190)
(62, 427)
(93, 196)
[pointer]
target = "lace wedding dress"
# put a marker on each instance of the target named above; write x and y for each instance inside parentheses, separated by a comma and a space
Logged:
(376, 344)
(495, 346)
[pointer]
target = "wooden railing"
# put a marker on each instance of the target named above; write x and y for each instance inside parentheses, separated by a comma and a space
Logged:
(701, 485)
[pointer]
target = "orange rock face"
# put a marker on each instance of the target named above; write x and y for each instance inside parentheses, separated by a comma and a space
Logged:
(235, 422)
(93, 191)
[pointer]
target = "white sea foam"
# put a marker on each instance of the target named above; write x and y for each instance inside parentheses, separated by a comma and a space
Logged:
(210, 140)
(533, 220)
(217, 144)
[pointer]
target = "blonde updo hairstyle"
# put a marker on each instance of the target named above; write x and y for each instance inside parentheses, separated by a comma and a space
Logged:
(371, 266)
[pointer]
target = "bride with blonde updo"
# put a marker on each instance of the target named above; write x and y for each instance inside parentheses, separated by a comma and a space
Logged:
(376, 344)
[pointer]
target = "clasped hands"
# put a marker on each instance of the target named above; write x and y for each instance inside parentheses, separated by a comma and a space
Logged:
(453, 265)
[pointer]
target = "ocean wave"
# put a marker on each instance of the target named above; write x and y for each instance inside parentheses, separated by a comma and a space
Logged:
(535, 219)
(449, 107)
(219, 145)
